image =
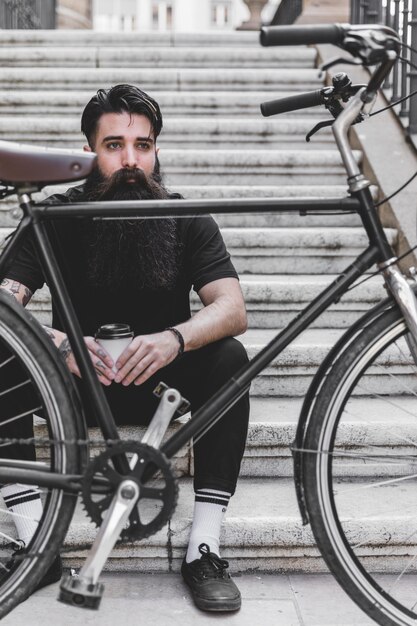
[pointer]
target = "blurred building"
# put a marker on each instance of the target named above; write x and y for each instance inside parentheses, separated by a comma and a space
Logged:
(130, 15)
(177, 15)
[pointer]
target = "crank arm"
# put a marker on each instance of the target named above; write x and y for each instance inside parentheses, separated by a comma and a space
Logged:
(84, 590)
(170, 401)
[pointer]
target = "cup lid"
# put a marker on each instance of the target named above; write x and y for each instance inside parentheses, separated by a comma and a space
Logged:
(114, 331)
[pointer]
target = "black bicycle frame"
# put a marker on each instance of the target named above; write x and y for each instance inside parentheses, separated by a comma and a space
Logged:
(35, 218)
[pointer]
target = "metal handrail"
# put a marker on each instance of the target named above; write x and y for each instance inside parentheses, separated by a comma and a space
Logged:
(401, 15)
(287, 12)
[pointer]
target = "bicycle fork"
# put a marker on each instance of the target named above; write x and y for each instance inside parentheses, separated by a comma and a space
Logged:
(84, 590)
(404, 295)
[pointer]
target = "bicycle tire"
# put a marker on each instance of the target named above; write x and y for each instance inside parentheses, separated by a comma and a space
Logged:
(32, 355)
(357, 478)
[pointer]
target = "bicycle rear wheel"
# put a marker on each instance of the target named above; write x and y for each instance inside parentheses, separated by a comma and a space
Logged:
(360, 471)
(34, 382)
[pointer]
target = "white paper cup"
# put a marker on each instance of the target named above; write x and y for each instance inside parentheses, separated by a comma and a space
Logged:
(114, 338)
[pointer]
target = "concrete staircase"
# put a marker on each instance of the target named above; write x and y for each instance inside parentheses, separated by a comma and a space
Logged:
(215, 145)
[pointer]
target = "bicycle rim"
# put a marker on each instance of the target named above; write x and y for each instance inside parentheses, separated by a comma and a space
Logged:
(31, 384)
(361, 472)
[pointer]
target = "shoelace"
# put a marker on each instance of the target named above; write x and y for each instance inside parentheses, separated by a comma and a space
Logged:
(211, 565)
(17, 554)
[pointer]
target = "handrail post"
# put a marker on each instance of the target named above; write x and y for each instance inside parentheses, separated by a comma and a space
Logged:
(354, 12)
(395, 79)
(372, 15)
(405, 53)
(412, 128)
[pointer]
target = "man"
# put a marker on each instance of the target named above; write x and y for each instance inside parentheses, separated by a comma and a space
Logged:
(140, 272)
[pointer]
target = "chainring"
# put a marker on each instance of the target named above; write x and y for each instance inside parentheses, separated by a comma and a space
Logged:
(162, 487)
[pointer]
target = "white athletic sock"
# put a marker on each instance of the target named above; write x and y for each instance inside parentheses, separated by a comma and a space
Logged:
(25, 503)
(209, 510)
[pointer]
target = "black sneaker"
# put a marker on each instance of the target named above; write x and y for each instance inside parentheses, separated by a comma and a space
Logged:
(210, 583)
(53, 574)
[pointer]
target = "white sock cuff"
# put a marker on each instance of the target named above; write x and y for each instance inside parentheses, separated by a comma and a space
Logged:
(213, 496)
(19, 494)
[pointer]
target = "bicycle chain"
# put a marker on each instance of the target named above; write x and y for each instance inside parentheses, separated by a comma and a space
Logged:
(45, 440)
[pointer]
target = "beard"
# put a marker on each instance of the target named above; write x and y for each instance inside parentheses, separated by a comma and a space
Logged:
(135, 253)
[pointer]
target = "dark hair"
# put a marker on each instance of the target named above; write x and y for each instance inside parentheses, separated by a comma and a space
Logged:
(116, 100)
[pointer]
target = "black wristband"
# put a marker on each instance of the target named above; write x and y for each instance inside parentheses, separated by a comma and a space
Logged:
(180, 340)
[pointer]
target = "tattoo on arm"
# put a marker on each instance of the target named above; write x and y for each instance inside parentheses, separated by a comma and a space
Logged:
(14, 289)
(65, 348)
(49, 332)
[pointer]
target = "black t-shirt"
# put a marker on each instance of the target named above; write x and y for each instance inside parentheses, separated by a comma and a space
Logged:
(204, 258)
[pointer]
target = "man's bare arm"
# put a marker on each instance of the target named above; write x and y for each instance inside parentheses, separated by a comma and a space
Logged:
(20, 292)
(223, 315)
(101, 360)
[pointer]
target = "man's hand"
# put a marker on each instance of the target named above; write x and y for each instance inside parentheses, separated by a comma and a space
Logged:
(144, 356)
(102, 361)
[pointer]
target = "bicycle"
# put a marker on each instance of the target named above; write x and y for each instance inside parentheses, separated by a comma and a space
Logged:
(116, 482)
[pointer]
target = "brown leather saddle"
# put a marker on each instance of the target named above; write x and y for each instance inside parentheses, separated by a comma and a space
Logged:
(22, 165)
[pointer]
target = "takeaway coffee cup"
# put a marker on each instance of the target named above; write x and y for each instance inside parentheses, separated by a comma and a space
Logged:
(114, 338)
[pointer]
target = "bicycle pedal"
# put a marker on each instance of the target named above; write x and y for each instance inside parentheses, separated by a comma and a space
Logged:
(76, 591)
(159, 391)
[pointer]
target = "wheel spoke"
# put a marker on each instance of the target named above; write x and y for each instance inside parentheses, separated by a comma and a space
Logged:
(379, 483)
(12, 358)
(20, 416)
(19, 386)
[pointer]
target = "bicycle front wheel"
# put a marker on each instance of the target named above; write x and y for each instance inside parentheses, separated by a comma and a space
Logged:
(360, 471)
(33, 383)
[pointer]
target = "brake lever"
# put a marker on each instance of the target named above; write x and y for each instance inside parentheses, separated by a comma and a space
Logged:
(318, 127)
(338, 60)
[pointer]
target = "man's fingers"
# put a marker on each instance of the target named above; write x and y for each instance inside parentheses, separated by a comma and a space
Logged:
(136, 369)
(150, 371)
(133, 349)
(99, 351)
(132, 362)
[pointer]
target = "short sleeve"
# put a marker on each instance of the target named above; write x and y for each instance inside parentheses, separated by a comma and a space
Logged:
(206, 256)
(26, 268)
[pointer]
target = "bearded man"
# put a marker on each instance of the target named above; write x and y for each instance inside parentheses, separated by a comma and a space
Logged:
(140, 272)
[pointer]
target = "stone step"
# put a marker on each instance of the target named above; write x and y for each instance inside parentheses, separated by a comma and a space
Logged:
(176, 79)
(138, 56)
(265, 513)
(181, 133)
(87, 38)
(259, 166)
(273, 300)
(377, 426)
(189, 103)
(288, 374)
(296, 250)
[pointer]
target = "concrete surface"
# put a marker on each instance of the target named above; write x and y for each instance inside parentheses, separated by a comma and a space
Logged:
(163, 599)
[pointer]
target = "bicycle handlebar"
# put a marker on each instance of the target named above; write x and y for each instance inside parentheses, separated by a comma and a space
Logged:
(303, 35)
(292, 103)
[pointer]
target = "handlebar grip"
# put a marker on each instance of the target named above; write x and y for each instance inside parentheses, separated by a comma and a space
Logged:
(299, 35)
(292, 103)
